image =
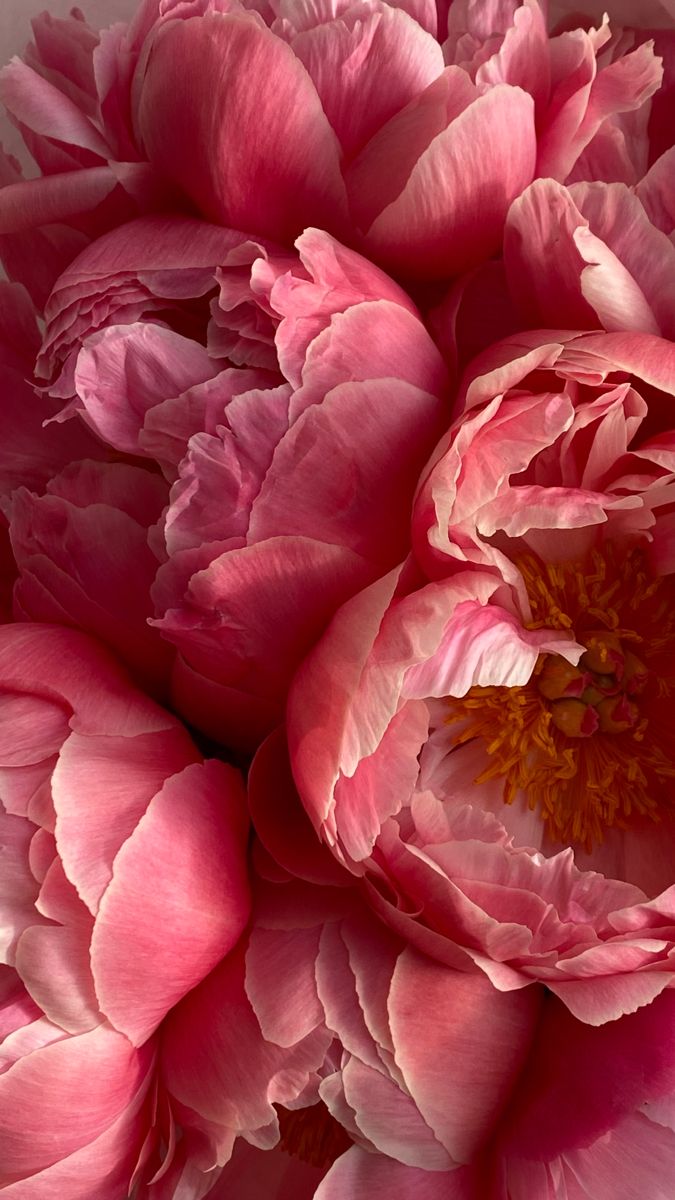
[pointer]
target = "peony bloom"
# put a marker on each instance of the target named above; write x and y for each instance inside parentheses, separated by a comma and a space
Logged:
(445, 1086)
(273, 515)
(483, 734)
(124, 883)
(401, 135)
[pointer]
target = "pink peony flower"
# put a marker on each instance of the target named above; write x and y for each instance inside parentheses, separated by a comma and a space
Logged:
(114, 906)
(274, 515)
(446, 1086)
(402, 137)
(483, 734)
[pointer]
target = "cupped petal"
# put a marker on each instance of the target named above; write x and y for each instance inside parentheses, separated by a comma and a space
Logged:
(460, 1045)
(123, 372)
(450, 212)
(102, 786)
(366, 67)
(64, 1095)
(262, 159)
(184, 877)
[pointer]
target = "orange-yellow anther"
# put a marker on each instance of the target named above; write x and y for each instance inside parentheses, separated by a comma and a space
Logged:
(603, 655)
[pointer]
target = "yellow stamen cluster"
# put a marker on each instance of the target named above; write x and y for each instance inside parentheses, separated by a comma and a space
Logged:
(575, 742)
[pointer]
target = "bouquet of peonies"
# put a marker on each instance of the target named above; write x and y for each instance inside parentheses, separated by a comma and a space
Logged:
(337, 655)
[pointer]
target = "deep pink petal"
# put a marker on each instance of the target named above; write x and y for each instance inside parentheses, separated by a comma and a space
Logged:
(264, 160)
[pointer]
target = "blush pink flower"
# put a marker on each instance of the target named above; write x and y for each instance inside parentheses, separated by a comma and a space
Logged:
(124, 884)
(274, 515)
(488, 742)
(402, 137)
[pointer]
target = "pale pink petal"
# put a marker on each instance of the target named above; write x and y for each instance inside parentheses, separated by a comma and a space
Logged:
(125, 371)
(281, 983)
(390, 1119)
(608, 997)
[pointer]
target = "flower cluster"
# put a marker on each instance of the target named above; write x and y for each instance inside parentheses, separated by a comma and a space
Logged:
(337, 641)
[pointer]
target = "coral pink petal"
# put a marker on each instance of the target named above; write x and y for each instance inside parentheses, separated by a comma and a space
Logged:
(460, 1045)
(366, 69)
(280, 820)
(450, 213)
(580, 1081)
(323, 484)
(217, 1062)
(362, 1175)
(102, 786)
(178, 899)
(64, 1095)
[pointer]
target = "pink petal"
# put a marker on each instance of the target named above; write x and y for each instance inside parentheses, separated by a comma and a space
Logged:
(281, 983)
(365, 1176)
(433, 227)
(187, 877)
(366, 68)
(323, 485)
(63, 1096)
(273, 599)
(579, 1081)
(102, 787)
(275, 179)
(280, 820)
(460, 1045)
(217, 1062)
(125, 371)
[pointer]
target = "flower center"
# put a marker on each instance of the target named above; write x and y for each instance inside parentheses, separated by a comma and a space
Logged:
(588, 746)
(312, 1134)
